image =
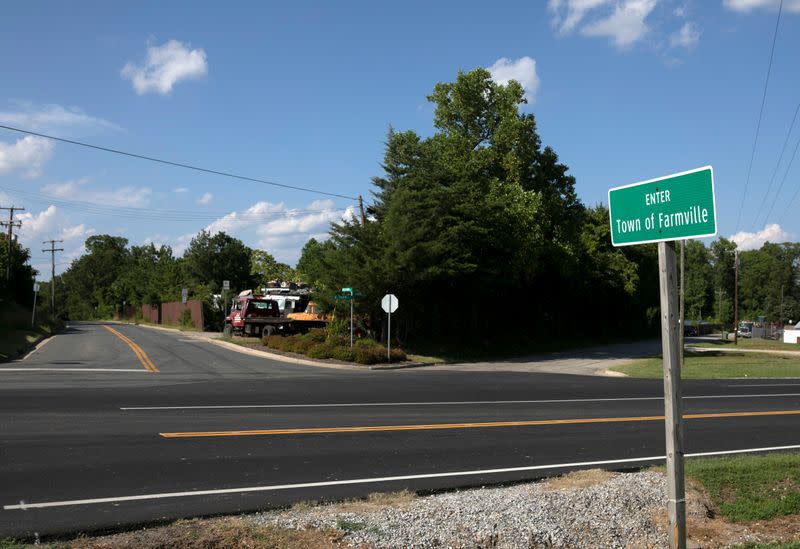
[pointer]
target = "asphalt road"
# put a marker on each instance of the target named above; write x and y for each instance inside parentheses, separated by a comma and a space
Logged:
(102, 430)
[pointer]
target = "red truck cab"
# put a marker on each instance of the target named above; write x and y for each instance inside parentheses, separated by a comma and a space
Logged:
(252, 314)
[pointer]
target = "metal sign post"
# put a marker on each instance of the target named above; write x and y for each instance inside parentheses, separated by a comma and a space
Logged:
(389, 304)
(35, 293)
(664, 210)
(350, 292)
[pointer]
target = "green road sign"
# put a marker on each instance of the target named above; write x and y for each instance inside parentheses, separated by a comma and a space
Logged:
(674, 207)
(348, 290)
(343, 297)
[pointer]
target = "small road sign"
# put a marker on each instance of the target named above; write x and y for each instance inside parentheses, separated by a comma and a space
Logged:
(226, 284)
(184, 295)
(35, 286)
(343, 297)
(389, 303)
(673, 207)
(347, 290)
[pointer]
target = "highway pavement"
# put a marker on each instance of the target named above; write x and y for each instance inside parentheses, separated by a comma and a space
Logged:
(111, 426)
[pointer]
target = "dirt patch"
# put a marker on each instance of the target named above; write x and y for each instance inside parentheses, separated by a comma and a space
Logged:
(577, 480)
(707, 530)
(376, 501)
(219, 533)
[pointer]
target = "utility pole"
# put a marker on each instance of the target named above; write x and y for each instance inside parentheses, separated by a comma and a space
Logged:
(361, 208)
(780, 314)
(736, 298)
(719, 314)
(52, 249)
(10, 224)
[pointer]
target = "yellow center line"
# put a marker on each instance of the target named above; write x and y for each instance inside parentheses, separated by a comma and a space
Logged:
(374, 428)
(138, 351)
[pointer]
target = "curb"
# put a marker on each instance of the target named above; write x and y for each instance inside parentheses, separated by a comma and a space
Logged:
(403, 366)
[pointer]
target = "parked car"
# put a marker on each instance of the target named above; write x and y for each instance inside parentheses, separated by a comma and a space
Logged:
(745, 329)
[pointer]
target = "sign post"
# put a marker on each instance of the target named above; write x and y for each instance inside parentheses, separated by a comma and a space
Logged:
(35, 293)
(664, 210)
(349, 291)
(389, 304)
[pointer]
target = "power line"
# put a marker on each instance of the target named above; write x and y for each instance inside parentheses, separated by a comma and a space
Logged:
(176, 164)
(775, 171)
(783, 180)
(172, 215)
(760, 115)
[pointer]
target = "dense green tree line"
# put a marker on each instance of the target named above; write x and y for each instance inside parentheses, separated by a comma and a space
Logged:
(476, 228)
(478, 231)
(112, 274)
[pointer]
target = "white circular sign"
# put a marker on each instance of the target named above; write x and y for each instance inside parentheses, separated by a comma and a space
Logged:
(389, 303)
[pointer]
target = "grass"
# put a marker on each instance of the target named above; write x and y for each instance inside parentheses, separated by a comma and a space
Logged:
(201, 534)
(784, 545)
(756, 344)
(426, 359)
(15, 342)
(709, 365)
(748, 488)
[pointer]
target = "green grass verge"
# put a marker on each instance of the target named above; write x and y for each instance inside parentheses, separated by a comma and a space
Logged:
(784, 545)
(746, 488)
(708, 365)
(15, 342)
(756, 344)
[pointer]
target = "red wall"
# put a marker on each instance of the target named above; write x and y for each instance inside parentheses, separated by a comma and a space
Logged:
(170, 313)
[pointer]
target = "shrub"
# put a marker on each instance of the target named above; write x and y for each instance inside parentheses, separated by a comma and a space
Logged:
(317, 335)
(338, 340)
(343, 353)
(321, 350)
(367, 343)
(302, 345)
(398, 355)
(186, 319)
(369, 355)
(339, 327)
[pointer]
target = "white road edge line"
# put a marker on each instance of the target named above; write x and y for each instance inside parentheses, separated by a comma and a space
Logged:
(441, 403)
(275, 487)
(84, 370)
(767, 385)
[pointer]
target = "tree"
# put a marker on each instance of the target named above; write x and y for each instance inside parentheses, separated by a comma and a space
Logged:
(210, 259)
(19, 286)
(265, 268)
(699, 289)
(476, 220)
(92, 284)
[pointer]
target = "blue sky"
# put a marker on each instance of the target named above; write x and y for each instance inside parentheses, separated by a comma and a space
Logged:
(302, 93)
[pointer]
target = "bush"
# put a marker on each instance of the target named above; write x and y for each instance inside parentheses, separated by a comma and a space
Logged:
(186, 319)
(369, 355)
(302, 345)
(340, 327)
(366, 343)
(321, 350)
(338, 340)
(344, 353)
(317, 335)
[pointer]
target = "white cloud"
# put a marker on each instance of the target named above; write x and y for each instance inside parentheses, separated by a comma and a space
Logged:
(122, 197)
(181, 190)
(626, 25)
(746, 6)
(166, 65)
(576, 10)
(205, 199)
(280, 230)
(54, 119)
(752, 241)
(27, 155)
(523, 70)
(687, 37)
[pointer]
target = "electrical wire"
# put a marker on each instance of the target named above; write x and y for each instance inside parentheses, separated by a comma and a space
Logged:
(775, 171)
(783, 180)
(172, 215)
(760, 116)
(176, 164)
